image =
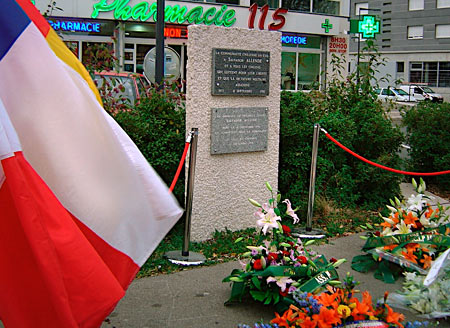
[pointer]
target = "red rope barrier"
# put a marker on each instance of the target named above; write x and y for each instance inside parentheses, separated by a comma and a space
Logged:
(379, 165)
(180, 166)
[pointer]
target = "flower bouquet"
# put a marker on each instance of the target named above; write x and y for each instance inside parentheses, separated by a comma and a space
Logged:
(428, 296)
(337, 307)
(279, 263)
(412, 236)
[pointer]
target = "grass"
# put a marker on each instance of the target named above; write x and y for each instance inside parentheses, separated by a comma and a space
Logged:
(223, 248)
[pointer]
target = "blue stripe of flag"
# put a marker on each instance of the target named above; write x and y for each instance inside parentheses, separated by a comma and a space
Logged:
(13, 21)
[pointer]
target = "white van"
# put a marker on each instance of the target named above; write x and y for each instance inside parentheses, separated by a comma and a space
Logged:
(421, 92)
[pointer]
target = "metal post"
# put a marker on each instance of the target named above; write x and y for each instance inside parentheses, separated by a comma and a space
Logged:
(190, 192)
(184, 257)
(357, 65)
(312, 177)
(160, 59)
(309, 232)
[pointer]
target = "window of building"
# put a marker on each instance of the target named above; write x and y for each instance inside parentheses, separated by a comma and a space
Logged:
(297, 5)
(330, 7)
(443, 31)
(443, 4)
(400, 67)
(272, 3)
(415, 5)
(299, 71)
(435, 74)
(415, 32)
(361, 8)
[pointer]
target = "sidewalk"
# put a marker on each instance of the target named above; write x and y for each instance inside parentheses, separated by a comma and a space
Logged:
(195, 297)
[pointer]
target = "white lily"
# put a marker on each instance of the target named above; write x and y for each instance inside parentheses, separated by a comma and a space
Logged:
(290, 211)
(416, 202)
(386, 232)
(268, 220)
(403, 228)
(280, 281)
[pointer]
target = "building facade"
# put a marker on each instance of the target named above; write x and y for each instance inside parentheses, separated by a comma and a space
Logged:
(311, 30)
(414, 40)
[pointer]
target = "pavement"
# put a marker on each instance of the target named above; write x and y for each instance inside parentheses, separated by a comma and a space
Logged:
(195, 296)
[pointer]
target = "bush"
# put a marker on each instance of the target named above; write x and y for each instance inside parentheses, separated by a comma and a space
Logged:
(349, 111)
(157, 126)
(428, 134)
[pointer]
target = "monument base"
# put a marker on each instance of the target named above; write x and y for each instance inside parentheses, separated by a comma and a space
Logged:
(310, 233)
(192, 258)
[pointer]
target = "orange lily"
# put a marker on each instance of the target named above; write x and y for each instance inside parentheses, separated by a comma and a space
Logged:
(308, 323)
(411, 219)
(394, 317)
(361, 310)
(326, 318)
(426, 261)
(285, 319)
(410, 257)
(412, 247)
(389, 247)
(328, 300)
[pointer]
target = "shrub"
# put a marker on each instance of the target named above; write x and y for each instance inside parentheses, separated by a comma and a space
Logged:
(349, 111)
(157, 126)
(428, 134)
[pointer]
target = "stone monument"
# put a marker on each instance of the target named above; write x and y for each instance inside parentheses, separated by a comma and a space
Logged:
(233, 98)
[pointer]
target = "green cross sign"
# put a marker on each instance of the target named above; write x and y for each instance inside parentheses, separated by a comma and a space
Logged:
(369, 26)
(327, 26)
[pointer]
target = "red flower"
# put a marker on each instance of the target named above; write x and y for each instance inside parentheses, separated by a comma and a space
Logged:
(302, 259)
(285, 293)
(333, 260)
(257, 264)
(286, 230)
(285, 253)
(272, 256)
(377, 233)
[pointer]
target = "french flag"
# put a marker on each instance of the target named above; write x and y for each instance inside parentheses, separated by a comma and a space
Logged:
(80, 208)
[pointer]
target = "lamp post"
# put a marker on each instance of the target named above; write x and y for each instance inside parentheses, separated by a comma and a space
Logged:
(159, 60)
(367, 27)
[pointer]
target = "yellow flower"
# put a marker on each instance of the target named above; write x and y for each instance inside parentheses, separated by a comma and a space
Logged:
(344, 311)
(373, 318)
(352, 305)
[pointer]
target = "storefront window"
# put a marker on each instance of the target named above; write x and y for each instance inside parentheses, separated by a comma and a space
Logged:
(297, 5)
(288, 69)
(330, 7)
(228, 2)
(273, 4)
(98, 56)
(308, 71)
(299, 71)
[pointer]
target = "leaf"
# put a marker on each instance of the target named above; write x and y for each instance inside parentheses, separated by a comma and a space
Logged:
(363, 263)
(256, 282)
(384, 273)
(258, 295)
(268, 299)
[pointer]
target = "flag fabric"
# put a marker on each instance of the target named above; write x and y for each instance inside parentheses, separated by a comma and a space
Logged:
(80, 208)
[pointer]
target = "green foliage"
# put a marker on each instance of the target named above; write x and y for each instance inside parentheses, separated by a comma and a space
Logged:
(349, 111)
(157, 126)
(428, 134)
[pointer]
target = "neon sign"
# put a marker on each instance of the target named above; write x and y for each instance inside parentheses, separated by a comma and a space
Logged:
(290, 39)
(75, 26)
(369, 26)
(144, 11)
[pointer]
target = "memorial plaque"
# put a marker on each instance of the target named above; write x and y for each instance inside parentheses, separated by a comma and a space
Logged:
(240, 72)
(237, 130)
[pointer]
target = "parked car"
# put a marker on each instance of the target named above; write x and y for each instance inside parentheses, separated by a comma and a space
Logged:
(421, 92)
(134, 84)
(394, 94)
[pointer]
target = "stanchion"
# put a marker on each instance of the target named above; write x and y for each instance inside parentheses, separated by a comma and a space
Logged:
(308, 232)
(185, 257)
